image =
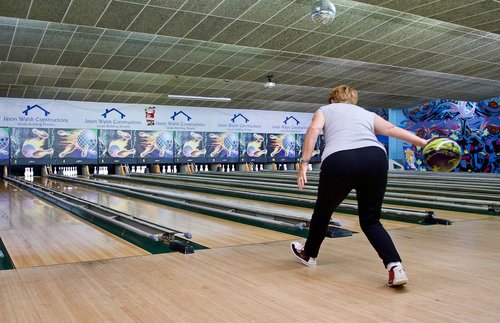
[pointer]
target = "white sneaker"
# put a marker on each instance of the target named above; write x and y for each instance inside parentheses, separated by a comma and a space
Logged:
(298, 251)
(397, 276)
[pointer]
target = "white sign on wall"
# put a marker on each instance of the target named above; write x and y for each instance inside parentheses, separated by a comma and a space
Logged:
(32, 113)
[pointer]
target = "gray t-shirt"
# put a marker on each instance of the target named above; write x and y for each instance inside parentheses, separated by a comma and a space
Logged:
(348, 126)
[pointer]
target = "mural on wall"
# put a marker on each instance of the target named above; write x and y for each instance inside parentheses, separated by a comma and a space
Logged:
(475, 126)
(384, 113)
(117, 146)
(190, 146)
(75, 146)
(317, 150)
(31, 146)
(281, 147)
(155, 146)
(223, 146)
(4, 146)
(253, 147)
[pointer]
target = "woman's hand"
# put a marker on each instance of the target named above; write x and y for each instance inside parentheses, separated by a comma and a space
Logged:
(301, 176)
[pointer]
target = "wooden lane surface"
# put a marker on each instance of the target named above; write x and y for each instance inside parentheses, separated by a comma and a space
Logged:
(451, 270)
(36, 233)
(208, 231)
(447, 214)
(349, 222)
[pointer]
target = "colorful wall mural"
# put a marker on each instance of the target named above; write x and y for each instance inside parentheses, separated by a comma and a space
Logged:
(475, 126)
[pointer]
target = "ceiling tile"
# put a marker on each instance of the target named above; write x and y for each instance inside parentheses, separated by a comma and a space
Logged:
(131, 47)
(117, 15)
(233, 8)
(205, 6)
(15, 8)
(117, 62)
(290, 14)
(346, 48)
(179, 68)
(32, 93)
(284, 38)
(159, 66)
(49, 70)
(21, 54)
(27, 37)
(64, 82)
(82, 42)
(153, 50)
(369, 22)
(264, 10)
(364, 51)
(234, 32)
(46, 81)
(180, 24)
(151, 19)
(208, 28)
(47, 56)
(107, 45)
(6, 34)
(55, 39)
(260, 35)
(7, 78)
(71, 58)
(174, 4)
(73, 72)
(95, 60)
(117, 86)
(139, 64)
(53, 10)
(85, 12)
(100, 85)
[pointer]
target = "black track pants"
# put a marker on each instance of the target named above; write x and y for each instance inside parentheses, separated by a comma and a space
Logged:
(365, 170)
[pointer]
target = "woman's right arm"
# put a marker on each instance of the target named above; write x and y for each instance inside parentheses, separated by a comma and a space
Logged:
(385, 128)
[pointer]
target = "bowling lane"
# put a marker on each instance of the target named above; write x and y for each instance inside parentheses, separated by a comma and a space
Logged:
(36, 233)
(349, 222)
(208, 231)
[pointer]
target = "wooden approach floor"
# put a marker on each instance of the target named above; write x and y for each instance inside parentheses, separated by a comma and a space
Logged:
(453, 272)
(37, 233)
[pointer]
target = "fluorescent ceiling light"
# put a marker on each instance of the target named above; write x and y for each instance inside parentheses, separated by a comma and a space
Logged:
(198, 98)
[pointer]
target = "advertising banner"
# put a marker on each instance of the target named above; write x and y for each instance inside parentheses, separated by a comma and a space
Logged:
(38, 113)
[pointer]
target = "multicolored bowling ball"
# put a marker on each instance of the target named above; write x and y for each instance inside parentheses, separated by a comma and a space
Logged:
(28, 149)
(187, 150)
(289, 142)
(87, 139)
(164, 140)
(442, 154)
(4, 139)
(231, 141)
(114, 150)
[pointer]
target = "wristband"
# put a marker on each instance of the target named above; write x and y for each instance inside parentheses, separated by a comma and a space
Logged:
(304, 161)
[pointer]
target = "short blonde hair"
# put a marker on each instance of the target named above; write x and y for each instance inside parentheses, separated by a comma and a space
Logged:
(343, 94)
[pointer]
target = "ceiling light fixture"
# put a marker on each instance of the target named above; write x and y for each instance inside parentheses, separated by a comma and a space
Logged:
(198, 98)
(270, 84)
(323, 12)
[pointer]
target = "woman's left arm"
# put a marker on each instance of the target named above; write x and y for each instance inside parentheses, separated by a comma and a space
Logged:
(317, 124)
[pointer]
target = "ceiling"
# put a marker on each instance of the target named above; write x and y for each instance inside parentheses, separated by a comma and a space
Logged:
(397, 53)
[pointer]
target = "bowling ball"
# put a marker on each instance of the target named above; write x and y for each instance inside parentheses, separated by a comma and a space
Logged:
(87, 139)
(289, 142)
(28, 150)
(4, 139)
(187, 151)
(442, 154)
(164, 140)
(231, 141)
(114, 150)
(251, 151)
